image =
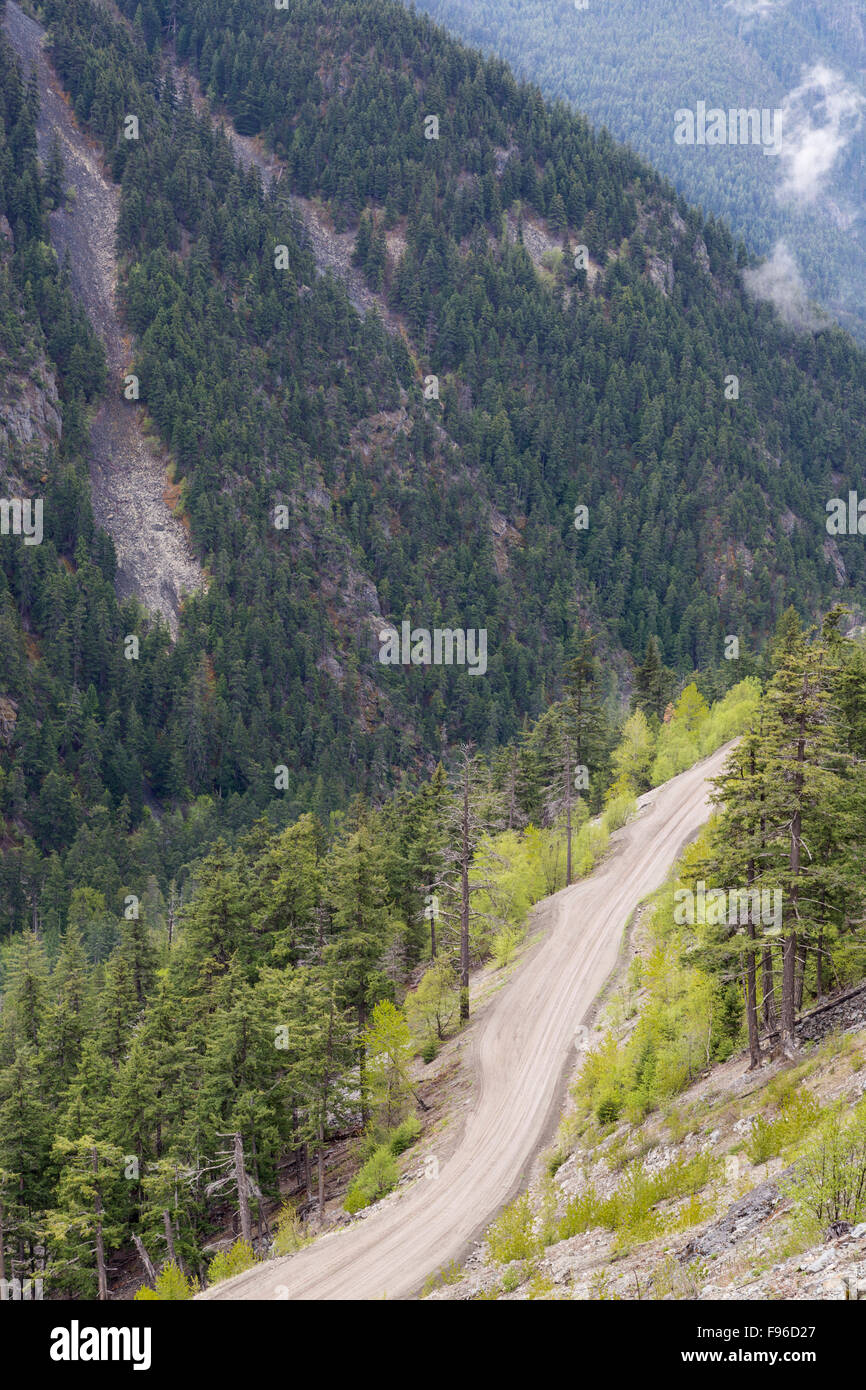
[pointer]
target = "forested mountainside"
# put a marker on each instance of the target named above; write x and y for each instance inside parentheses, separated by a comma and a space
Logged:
(630, 66)
(559, 388)
(569, 427)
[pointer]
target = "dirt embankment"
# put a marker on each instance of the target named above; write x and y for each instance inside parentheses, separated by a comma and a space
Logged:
(733, 1234)
(127, 467)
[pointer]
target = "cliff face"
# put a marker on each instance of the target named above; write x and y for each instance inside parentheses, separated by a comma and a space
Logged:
(128, 470)
(30, 419)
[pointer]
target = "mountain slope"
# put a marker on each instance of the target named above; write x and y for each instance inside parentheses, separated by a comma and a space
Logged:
(808, 61)
(559, 388)
(128, 478)
(560, 452)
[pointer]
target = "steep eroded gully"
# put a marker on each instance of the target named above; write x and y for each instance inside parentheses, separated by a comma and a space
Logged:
(127, 469)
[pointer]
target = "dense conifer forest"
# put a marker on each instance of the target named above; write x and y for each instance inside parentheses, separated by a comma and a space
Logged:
(233, 866)
(630, 66)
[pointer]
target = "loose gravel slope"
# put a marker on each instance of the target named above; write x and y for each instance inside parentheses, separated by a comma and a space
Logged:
(127, 469)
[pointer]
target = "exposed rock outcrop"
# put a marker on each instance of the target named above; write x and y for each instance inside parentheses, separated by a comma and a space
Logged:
(128, 470)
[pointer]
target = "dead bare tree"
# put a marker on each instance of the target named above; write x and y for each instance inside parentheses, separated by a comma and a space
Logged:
(235, 1175)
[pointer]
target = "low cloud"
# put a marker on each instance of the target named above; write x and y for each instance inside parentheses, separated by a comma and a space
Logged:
(779, 281)
(750, 8)
(819, 120)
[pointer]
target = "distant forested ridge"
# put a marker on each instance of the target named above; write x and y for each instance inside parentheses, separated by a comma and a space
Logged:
(629, 65)
(554, 394)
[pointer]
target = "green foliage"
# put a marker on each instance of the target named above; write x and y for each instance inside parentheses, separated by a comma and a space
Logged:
(376, 1179)
(619, 804)
(689, 1019)
(607, 1111)
(449, 1274)
(511, 1279)
(694, 731)
(172, 1285)
(505, 943)
(289, 1235)
(798, 1113)
(829, 1181)
(388, 1046)
(633, 758)
(405, 1135)
(554, 1162)
(512, 1235)
(631, 1210)
(227, 1263)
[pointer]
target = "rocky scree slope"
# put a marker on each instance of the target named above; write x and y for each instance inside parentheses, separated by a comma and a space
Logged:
(128, 468)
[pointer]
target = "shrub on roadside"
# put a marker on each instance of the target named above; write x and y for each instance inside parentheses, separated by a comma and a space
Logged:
(829, 1180)
(405, 1135)
(171, 1286)
(227, 1263)
(512, 1235)
(290, 1232)
(376, 1179)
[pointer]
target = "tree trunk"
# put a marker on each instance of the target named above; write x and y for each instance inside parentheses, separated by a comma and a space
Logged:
(257, 1180)
(789, 953)
(801, 976)
(149, 1269)
(464, 903)
(768, 990)
(21, 1234)
(321, 1165)
(320, 1131)
(567, 814)
(169, 1237)
(243, 1193)
(752, 1005)
(100, 1247)
(751, 974)
(819, 966)
(789, 959)
(362, 1062)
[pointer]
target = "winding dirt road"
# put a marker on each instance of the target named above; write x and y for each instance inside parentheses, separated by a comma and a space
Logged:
(521, 1053)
